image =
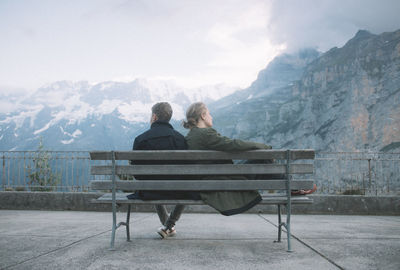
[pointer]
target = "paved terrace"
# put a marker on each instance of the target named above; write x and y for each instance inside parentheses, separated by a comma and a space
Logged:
(80, 240)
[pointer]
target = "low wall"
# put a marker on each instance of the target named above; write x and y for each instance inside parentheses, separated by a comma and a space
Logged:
(323, 204)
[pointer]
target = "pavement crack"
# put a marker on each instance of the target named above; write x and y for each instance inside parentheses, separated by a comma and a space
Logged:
(305, 244)
(55, 250)
(69, 245)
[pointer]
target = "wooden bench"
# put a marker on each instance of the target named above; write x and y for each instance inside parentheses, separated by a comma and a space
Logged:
(288, 163)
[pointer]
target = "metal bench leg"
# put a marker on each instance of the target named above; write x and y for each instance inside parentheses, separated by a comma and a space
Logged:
(279, 225)
(289, 199)
(288, 227)
(128, 216)
(114, 203)
(114, 225)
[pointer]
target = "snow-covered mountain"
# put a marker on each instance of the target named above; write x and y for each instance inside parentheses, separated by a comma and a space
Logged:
(83, 116)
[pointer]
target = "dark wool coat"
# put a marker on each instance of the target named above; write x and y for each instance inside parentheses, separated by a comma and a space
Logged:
(226, 202)
(161, 136)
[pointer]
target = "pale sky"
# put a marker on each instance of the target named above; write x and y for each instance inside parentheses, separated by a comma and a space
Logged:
(193, 42)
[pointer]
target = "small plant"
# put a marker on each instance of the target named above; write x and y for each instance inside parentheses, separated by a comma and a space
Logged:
(41, 177)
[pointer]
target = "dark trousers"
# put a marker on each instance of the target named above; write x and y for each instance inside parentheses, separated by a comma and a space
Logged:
(169, 220)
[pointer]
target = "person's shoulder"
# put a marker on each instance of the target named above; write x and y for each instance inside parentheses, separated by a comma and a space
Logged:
(142, 136)
(140, 140)
(209, 131)
(202, 132)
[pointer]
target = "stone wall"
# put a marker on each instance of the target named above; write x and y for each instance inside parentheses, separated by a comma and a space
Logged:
(81, 201)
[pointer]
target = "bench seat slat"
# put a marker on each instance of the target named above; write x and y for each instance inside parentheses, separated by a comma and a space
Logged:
(202, 185)
(270, 199)
(203, 169)
(201, 154)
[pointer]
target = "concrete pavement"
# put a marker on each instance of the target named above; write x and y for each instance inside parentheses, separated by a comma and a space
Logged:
(80, 240)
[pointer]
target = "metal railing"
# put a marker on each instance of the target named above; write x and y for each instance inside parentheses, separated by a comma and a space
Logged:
(363, 173)
(44, 170)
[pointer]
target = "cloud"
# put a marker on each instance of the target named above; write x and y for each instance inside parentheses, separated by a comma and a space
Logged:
(328, 23)
(203, 42)
(242, 43)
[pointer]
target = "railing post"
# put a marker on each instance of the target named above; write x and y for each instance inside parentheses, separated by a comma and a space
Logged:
(289, 200)
(3, 180)
(369, 174)
(114, 205)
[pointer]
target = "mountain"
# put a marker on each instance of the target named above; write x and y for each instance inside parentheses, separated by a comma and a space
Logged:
(346, 99)
(280, 72)
(82, 116)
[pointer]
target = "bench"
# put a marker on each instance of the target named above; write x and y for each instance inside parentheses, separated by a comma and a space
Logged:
(289, 163)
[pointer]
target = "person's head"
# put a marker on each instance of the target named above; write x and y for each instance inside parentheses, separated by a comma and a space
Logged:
(161, 111)
(197, 115)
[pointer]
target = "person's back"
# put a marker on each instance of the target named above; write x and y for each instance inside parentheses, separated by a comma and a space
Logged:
(161, 136)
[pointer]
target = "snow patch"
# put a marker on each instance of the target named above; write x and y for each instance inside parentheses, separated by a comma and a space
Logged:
(108, 106)
(76, 133)
(19, 118)
(67, 141)
(135, 111)
(43, 128)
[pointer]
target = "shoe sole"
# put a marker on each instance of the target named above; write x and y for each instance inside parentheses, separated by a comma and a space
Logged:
(162, 234)
(166, 235)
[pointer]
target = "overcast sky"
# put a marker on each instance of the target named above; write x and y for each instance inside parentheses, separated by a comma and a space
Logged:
(194, 42)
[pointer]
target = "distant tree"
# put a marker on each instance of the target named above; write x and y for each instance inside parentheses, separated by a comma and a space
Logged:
(41, 177)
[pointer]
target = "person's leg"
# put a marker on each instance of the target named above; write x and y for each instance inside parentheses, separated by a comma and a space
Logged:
(162, 213)
(169, 227)
(174, 216)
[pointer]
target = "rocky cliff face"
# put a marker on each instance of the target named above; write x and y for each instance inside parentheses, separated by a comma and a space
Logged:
(347, 99)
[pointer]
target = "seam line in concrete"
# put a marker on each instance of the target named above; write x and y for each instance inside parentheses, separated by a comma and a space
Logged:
(305, 244)
(63, 247)
(54, 250)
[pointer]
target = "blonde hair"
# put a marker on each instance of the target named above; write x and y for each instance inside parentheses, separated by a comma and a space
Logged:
(193, 114)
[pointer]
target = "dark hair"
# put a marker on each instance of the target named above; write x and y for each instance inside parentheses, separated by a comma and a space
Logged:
(193, 114)
(163, 111)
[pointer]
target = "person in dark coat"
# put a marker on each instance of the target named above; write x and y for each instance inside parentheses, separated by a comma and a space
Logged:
(162, 136)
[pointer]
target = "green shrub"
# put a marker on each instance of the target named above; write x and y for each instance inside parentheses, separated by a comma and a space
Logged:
(41, 177)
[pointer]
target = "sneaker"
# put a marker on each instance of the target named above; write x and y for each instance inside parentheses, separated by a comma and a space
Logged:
(165, 232)
(304, 192)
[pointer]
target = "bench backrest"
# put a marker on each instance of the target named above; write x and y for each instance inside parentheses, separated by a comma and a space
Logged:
(287, 162)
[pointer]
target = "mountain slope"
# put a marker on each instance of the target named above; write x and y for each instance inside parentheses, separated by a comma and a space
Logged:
(81, 116)
(345, 100)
